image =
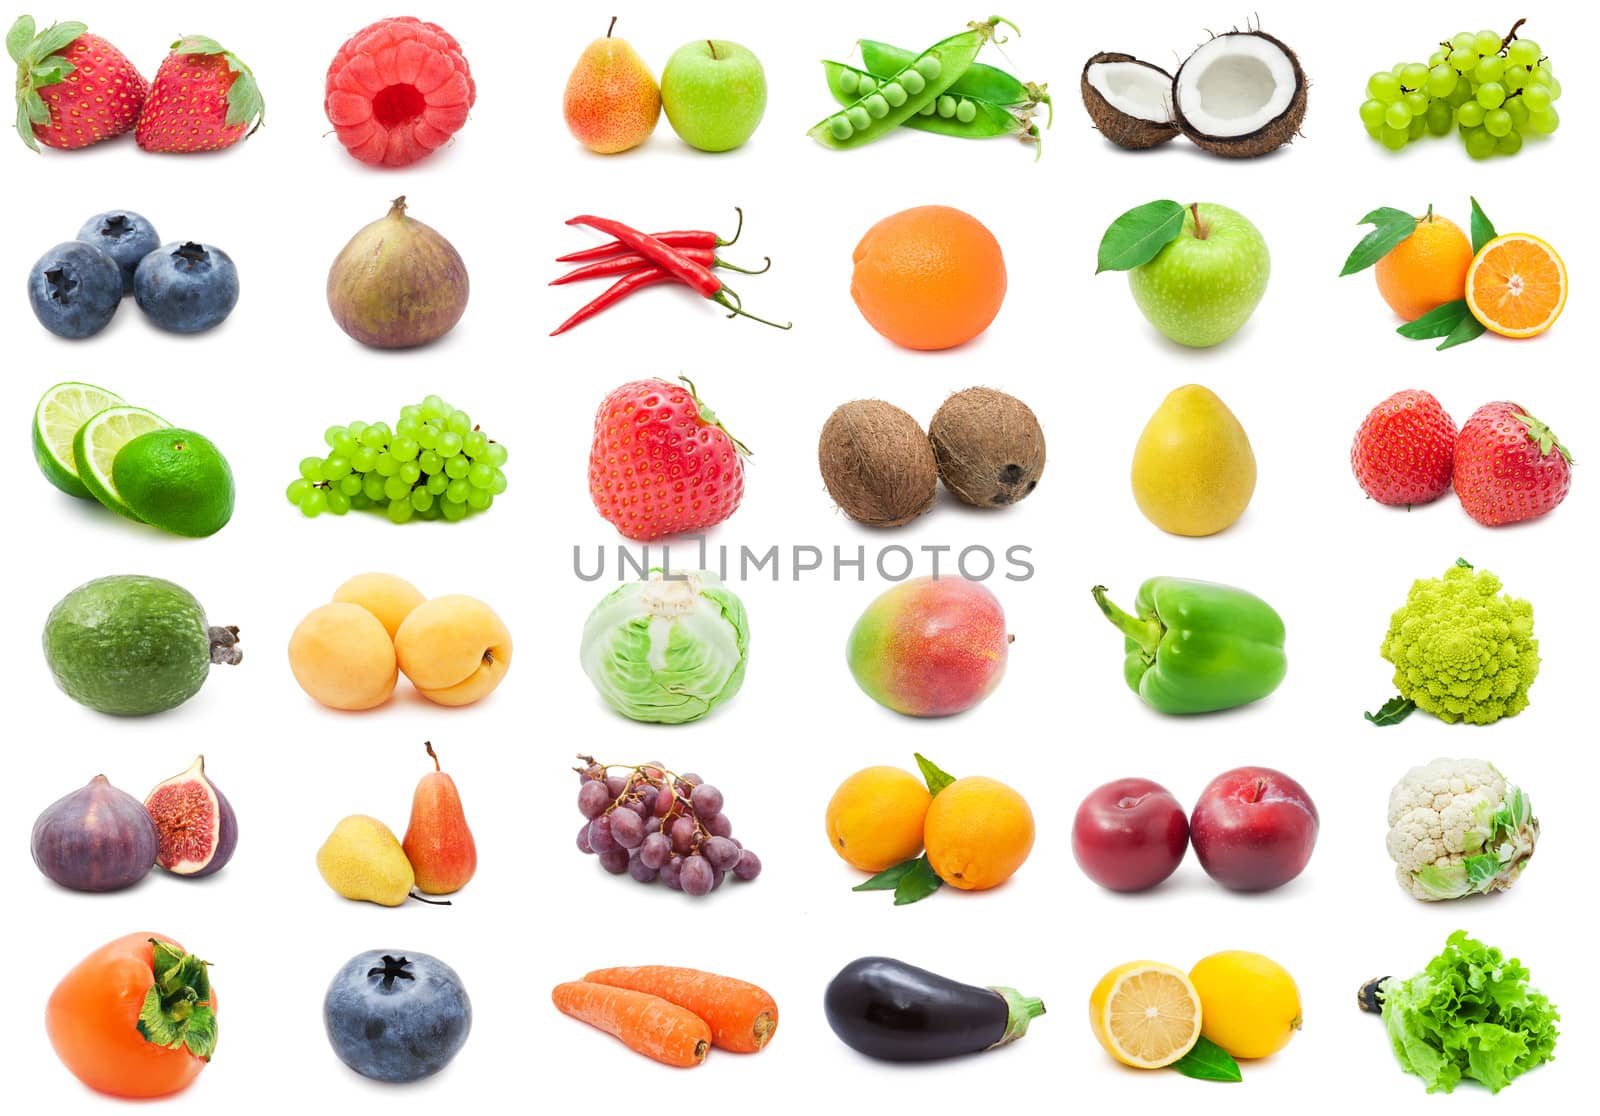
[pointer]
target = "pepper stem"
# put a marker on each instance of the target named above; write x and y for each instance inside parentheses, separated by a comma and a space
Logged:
(1146, 633)
(1020, 1011)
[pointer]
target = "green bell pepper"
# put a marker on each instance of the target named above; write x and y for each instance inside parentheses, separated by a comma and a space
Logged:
(1197, 647)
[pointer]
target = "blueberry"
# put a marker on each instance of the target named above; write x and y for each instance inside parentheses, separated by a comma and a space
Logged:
(396, 1016)
(75, 288)
(186, 287)
(127, 236)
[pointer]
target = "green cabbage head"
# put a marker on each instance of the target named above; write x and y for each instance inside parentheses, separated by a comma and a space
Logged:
(668, 649)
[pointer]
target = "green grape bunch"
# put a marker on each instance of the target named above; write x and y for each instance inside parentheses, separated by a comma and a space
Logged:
(433, 464)
(1493, 90)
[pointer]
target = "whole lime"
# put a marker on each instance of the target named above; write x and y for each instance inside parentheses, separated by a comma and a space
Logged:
(175, 480)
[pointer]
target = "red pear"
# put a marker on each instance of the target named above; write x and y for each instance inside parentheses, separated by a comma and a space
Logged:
(438, 842)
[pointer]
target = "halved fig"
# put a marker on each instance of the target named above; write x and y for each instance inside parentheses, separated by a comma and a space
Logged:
(194, 823)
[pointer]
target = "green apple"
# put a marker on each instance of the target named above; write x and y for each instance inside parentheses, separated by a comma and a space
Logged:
(1204, 285)
(714, 92)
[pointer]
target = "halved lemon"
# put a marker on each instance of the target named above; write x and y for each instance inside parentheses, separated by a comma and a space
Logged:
(1517, 285)
(1146, 1014)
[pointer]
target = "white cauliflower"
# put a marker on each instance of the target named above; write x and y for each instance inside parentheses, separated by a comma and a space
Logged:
(1456, 827)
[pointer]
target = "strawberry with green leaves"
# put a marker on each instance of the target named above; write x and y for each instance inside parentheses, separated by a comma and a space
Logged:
(73, 88)
(1509, 466)
(203, 98)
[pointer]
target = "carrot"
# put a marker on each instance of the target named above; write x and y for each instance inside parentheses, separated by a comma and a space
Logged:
(646, 1024)
(742, 1016)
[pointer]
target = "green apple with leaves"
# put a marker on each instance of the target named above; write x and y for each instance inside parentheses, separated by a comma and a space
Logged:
(714, 93)
(1207, 279)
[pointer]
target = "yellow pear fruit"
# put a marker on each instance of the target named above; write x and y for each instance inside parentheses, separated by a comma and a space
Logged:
(1193, 469)
(362, 859)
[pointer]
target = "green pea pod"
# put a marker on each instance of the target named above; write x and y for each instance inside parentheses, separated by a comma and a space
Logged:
(991, 120)
(1197, 647)
(907, 91)
(980, 82)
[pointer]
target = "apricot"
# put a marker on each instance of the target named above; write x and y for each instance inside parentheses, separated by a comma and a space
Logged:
(454, 649)
(930, 647)
(386, 596)
(343, 657)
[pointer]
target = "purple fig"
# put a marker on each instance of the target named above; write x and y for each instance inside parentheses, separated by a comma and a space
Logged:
(97, 838)
(194, 822)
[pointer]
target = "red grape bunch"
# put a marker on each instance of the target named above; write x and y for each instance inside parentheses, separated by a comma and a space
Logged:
(651, 824)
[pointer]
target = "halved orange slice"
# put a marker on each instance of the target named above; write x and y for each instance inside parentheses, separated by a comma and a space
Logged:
(1517, 285)
(1146, 1014)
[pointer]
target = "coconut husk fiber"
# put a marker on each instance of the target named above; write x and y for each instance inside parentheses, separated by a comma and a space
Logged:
(988, 447)
(877, 463)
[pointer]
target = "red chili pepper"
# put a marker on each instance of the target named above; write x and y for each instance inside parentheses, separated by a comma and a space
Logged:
(674, 262)
(621, 265)
(694, 239)
(621, 289)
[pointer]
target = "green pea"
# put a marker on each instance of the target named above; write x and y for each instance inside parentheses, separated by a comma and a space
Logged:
(928, 109)
(947, 106)
(840, 127)
(877, 106)
(929, 66)
(849, 81)
(914, 82)
(895, 94)
(858, 117)
(865, 84)
(966, 112)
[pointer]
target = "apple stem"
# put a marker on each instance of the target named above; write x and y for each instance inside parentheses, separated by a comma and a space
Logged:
(1261, 789)
(1199, 228)
(713, 47)
(428, 744)
(612, 27)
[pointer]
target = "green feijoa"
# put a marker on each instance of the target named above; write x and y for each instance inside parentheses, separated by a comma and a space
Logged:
(866, 84)
(840, 126)
(929, 66)
(895, 94)
(849, 81)
(947, 106)
(928, 109)
(859, 118)
(877, 106)
(914, 82)
(966, 112)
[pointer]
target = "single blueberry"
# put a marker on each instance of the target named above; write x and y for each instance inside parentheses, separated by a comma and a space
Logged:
(126, 236)
(186, 287)
(74, 289)
(396, 1016)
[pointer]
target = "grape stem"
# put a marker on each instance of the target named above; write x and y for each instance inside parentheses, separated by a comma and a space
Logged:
(668, 778)
(1511, 34)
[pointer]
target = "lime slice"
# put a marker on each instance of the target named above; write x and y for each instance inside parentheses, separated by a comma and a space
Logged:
(62, 411)
(95, 446)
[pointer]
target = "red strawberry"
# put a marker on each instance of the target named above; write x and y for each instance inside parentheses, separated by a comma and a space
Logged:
(202, 99)
(1405, 449)
(1509, 466)
(661, 463)
(73, 88)
(397, 90)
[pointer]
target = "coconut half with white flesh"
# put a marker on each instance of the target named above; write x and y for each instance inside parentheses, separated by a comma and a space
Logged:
(1129, 101)
(1241, 94)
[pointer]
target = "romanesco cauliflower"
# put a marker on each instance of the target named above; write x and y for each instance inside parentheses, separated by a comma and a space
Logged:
(1456, 828)
(1462, 651)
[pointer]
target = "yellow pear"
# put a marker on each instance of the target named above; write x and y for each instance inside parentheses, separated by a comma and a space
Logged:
(362, 859)
(1193, 469)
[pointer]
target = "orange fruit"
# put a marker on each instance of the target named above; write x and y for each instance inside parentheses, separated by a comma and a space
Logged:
(1517, 285)
(978, 832)
(929, 278)
(875, 818)
(1145, 1014)
(1426, 269)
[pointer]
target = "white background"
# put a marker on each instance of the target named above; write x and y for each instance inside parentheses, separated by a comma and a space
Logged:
(1317, 355)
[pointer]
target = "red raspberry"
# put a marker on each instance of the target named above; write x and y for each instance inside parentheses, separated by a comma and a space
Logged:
(1509, 466)
(1405, 450)
(397, 90)
(661, 464)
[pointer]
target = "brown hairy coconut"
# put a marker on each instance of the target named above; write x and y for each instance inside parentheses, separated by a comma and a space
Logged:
(988, 446)
(877, 463)
(1239, 95)
(1129, 101)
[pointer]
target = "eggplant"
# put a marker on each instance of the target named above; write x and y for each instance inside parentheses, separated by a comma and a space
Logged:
(888, 1009)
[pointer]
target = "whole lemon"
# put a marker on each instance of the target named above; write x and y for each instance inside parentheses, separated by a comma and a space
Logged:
(978, 833)
(875, 818)
(1249, 1004)
(1193, 469)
